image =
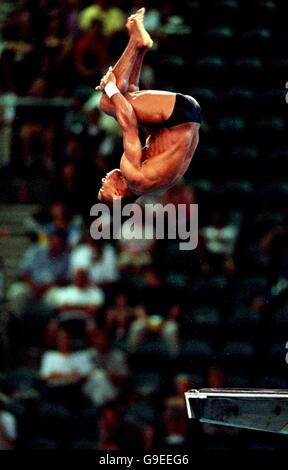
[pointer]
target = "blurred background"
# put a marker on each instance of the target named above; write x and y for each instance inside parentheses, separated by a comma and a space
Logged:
(100, 340)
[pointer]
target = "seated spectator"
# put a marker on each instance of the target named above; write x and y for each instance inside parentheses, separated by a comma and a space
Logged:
(99, 258)
(74, 183)
(182, 383)
(43, 267)
(62, 219)
(46, 266)
(119, 316)
(166, 329)
(72, 23)
(176, 426)
(18, 34)
(90, 54)
(274, 245)
(65, 186)
(8, 429)
(38, 133)
(78, 325)
(175, 429)
(108, 358)
(64, 364)
(67, 366)
(116, 433)
(136, 255)
(99, 388)
(220, 238)
(81, 296)
(178, 435)
(180, 194)
(183, 195)
(56, 43)
(111, 17)
(215, 377)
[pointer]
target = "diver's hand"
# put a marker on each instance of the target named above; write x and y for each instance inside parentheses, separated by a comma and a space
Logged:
(108, 77)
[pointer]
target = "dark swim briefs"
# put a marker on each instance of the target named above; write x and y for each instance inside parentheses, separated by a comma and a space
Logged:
(186, 109)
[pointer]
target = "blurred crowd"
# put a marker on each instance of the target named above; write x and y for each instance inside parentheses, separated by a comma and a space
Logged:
(106, 336)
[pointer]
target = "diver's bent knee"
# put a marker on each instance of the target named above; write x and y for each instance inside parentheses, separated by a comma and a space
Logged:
(132, 88)
(122, 85)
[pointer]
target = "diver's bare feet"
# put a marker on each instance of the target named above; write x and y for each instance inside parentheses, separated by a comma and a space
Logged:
(137, 31)
(140, 13)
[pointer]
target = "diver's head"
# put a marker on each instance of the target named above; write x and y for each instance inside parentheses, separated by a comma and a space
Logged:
(115, 187)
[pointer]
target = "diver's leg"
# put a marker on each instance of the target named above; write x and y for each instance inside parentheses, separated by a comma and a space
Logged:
(128, 68)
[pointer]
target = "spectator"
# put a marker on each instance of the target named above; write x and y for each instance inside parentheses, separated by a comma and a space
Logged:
(180, 194)
(119, 316)
(62, 219)
(8, 430)
(46, 266)
(66, 187)
(91, 54)
(81, 296)
(155, 325)
(74, 8)
(274, 245)
(111, 17)
(215, 377)
(57, 43)
(42, 268)
(19, 46)
(116, 433)
(220, 238)
(182, 383)
(99, 258)
(176, 431)
(66, 366)
(136, 255)
(37, 131)
(99, 389)
(176, 426)
(64, 363)
(108, 358)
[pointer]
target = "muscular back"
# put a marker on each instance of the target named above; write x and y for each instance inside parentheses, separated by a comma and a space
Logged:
(165, 158)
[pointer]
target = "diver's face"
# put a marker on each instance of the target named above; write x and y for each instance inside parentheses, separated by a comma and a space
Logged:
(104, 184)
(108, 186)
(107, 192)
(113, 186)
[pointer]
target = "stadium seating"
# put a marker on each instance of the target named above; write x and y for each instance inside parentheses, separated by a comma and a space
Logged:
(249, 288)
(211, 290)
(241, 354)
(194, 354)
(244, 322)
